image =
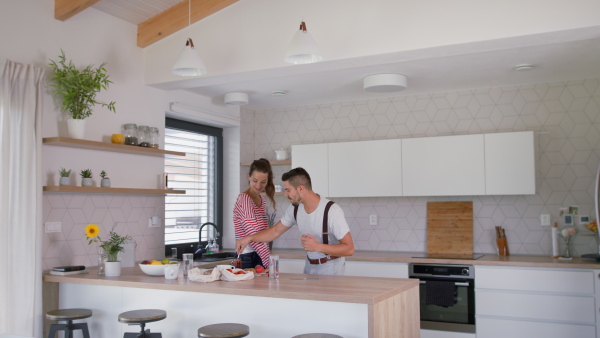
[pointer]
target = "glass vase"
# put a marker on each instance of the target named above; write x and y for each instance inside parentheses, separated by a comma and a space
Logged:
(567, 253)
(101, 258)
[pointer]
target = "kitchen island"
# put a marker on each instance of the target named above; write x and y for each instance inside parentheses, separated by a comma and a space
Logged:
(353, 307)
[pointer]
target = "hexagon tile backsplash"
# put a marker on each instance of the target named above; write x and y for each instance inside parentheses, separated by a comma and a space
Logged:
(76, 211)
(564, 115)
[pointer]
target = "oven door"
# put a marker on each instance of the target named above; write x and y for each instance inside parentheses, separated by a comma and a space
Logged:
(459, 317)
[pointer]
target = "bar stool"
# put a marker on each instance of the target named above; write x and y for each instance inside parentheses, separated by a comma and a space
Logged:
(68, 315)
(142, 317)
(223, 330)
(317, 335)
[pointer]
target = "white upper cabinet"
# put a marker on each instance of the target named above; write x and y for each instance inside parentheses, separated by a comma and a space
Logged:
(314, 159)
(365, 168)
(443, 166)
(510, 163)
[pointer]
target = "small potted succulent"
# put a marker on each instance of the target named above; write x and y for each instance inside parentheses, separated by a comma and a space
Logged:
(86, 178)
(105, 182)
(65, 177)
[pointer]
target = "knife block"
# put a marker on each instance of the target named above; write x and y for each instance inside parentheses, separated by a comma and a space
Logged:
(502, 246)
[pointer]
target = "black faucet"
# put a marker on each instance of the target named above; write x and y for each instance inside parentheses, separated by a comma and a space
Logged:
(198, 252)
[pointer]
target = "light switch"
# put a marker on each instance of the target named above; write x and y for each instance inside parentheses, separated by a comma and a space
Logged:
(53, 227)
(545, 219)
(372, 219)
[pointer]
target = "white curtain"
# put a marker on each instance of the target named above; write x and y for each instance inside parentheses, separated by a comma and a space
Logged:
(21, 89)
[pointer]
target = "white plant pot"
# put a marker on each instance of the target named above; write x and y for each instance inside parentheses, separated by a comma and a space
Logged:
(64, 181)
(76, 128)
(105, 182)
(112, 269)
(87, 182)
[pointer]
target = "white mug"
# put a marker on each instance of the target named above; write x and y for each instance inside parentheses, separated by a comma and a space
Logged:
(171, 271)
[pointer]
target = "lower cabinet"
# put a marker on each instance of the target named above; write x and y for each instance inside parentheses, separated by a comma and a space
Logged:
(445, 334)
(534, 302)
(353, 268)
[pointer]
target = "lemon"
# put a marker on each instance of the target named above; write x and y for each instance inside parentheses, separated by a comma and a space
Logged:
(164, 261)
(155, 262)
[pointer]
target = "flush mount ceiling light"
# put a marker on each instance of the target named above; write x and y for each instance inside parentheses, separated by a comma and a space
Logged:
(236, 98)
(382, 83)
(303, 48)
(189, 62)
(524, 67)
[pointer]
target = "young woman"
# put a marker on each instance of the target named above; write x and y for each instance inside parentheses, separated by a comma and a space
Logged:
(250, 213)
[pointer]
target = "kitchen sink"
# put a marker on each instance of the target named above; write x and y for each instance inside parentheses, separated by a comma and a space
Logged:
(220, 256)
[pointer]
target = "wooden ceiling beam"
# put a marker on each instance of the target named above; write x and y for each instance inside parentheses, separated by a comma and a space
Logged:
(64, 9)
(176, 18)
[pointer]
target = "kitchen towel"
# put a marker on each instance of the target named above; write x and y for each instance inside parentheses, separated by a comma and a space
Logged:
(439, 293)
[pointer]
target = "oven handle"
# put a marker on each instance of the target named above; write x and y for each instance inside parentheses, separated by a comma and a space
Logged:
(455, 283)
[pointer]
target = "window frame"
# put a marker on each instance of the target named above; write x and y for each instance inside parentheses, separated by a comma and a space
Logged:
(216, 132)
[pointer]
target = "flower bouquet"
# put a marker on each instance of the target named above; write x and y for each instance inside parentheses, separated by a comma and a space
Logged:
(567, 234)
(112, 246)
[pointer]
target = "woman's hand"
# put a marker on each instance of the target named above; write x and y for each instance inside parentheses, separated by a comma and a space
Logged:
(309, 242)
(241, 244)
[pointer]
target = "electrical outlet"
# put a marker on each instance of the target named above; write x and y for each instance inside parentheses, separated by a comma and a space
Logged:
(53, 227)
(372, 219)
(154, 222)
(545, 219)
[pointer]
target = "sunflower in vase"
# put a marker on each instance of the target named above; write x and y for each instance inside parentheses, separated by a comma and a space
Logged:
(112, 246)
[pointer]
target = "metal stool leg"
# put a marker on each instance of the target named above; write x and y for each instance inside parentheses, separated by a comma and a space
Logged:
(54, 328)
(84, 329)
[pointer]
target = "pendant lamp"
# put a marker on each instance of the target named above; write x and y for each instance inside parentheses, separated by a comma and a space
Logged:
(189, 62)
(303, 48)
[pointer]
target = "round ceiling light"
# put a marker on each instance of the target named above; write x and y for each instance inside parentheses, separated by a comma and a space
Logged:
(382, 83)
(236, 98)
(524, 67)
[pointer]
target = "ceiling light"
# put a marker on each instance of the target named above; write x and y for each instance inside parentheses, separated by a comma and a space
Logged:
(236, 98)
(279, 93)
(303, 48)
(381, 83)
(524, 67)
(189, 62)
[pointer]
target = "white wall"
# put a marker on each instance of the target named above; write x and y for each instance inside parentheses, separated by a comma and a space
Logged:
(254, 34)
(29, 34)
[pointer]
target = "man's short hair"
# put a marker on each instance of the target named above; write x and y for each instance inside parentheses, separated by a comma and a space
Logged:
(297, 176)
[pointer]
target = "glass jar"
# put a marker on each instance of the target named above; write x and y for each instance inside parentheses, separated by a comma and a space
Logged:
(143, 136)
(130, 131)
(153, 137)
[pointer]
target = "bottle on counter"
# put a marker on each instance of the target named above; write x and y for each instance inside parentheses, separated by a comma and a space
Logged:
(130, 131)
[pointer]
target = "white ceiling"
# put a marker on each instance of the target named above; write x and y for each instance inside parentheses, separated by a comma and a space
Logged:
(566, 55)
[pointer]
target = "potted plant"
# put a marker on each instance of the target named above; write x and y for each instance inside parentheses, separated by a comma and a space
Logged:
(111, 247)
(86, 178)
(105, 182)
(65, 176)
(76, 90)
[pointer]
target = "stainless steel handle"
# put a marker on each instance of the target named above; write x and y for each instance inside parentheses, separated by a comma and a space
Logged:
(455, 283)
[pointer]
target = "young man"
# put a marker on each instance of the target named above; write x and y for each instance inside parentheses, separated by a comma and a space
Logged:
(308, 210)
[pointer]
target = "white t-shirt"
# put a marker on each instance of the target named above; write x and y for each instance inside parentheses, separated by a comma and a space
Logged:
(313, 223)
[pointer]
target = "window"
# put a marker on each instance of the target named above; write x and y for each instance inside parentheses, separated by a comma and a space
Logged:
(199, 174)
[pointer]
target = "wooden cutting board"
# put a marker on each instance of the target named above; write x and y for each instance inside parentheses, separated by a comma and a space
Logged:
(450, 228)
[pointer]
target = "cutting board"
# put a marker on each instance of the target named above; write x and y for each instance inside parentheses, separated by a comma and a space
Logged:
(450, 228)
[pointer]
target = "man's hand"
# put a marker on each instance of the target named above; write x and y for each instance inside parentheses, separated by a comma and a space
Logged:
(309, 242)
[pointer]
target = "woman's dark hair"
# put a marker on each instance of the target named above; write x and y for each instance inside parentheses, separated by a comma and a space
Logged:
(263, 165)
(297, 176)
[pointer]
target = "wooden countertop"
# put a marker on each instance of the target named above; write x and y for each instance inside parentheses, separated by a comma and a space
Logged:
(363, 290)
(494, 260)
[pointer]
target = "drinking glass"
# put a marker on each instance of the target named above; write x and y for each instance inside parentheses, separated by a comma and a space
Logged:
(274, 267)
(101, 257)
(188, 261)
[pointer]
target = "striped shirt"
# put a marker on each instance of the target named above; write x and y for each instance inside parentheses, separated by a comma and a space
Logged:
(248, 219)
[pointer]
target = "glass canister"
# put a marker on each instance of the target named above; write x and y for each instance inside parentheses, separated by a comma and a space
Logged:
(130, 131)
(143, 136)
(153, 137)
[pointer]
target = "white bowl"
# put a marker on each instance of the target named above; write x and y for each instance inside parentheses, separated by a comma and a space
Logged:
(153, 270)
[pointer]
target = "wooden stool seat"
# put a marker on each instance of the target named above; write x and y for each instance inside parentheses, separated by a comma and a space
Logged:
(317, 335)
(68, 315)
(224, 330)
(142, 317)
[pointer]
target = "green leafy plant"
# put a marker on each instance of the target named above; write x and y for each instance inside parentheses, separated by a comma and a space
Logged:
(77, 88)
(112, 246)
(87, 173)
(103, 174)
(64, 172)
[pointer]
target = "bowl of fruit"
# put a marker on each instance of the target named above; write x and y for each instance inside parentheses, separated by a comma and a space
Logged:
(154, 267)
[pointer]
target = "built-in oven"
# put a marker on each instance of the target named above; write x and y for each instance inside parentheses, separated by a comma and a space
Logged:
(447, 296)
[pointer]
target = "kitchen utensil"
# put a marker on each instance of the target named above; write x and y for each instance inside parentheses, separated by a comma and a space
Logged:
(450, 228)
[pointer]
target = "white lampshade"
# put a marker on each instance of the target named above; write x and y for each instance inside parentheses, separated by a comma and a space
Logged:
(189, 62)
(303, 48)
(236, 98)
(381, 83)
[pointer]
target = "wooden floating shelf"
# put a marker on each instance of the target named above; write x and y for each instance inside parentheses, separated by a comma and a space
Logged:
(284, 162)
(95, 145)
(71, 188)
